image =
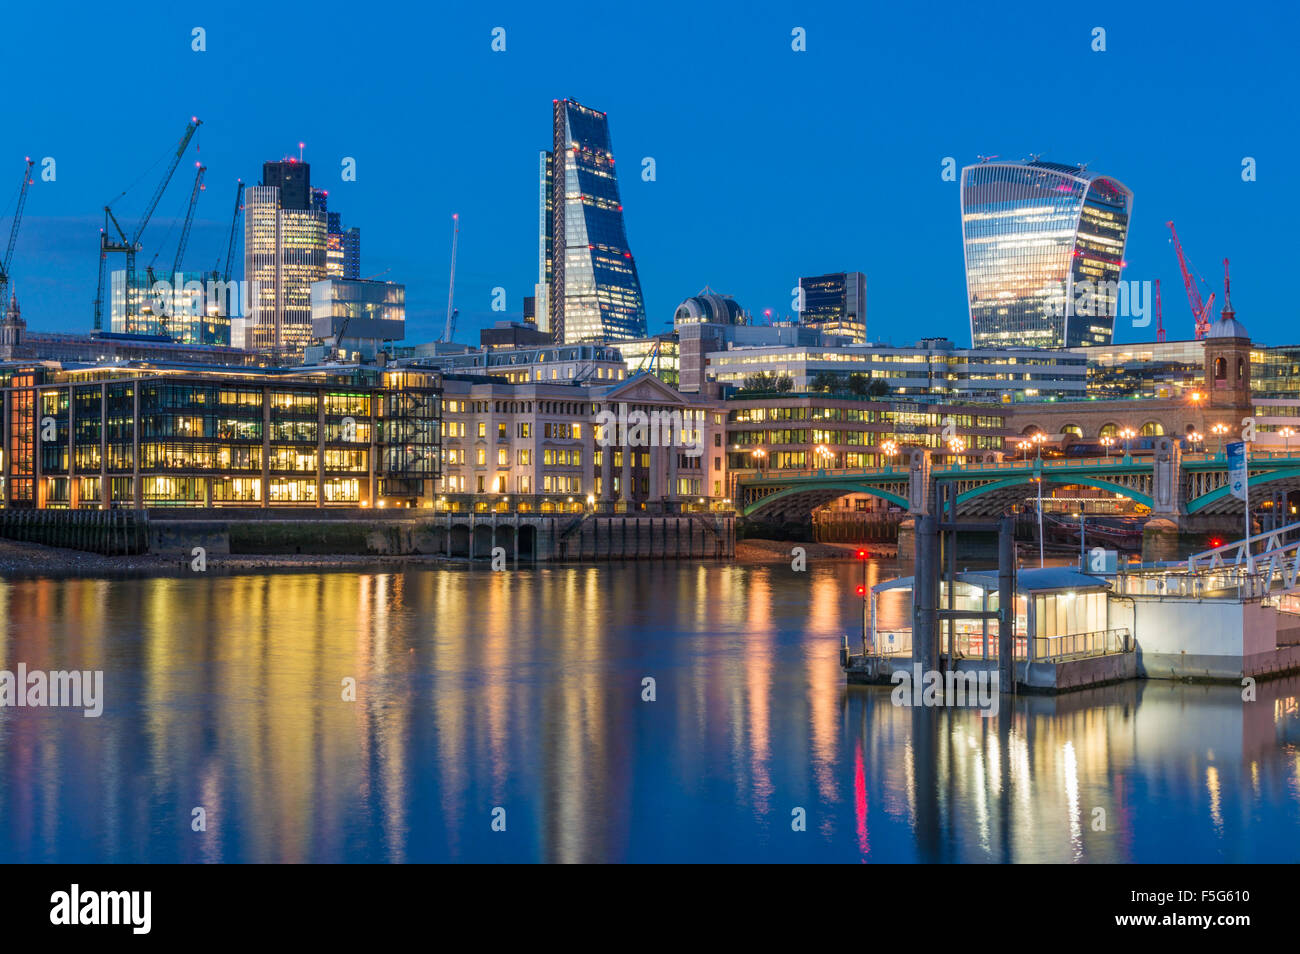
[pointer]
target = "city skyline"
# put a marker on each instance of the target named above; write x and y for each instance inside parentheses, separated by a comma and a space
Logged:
(737, 186)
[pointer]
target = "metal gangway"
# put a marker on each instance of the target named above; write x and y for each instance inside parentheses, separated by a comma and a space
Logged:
(1253, 565)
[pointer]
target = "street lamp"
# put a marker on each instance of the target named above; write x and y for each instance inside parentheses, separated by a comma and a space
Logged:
(1219, 429)
(758, 454)
(1287, 433)
(1038, 437)
(823, 454)
(955, 446)
(1106, 442)
(1194, 438)
(889, 448)
(1127, 433)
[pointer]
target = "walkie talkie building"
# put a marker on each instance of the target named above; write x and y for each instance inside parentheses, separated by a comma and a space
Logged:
(592, 289)
(1044, 246)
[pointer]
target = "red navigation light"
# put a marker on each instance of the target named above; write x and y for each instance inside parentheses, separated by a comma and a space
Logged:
(1216, 541)
(862, 554)
(862, 590)
(627, 254)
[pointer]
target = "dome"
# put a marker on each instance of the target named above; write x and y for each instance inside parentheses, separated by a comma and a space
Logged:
(1227, 326)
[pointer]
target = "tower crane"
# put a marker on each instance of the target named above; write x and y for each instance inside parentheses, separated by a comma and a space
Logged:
(13, 233)
(130, 246)
(174, 276)
(234, 220)
(1201, 311)
(450, 328)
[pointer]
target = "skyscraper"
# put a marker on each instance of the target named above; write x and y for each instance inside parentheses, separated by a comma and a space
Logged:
(1033, 232)
(592, 289)
(342, 249)
(836, 304)
(284, 252)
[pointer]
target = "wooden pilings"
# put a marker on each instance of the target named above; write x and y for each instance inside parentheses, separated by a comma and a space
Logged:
(109, 532)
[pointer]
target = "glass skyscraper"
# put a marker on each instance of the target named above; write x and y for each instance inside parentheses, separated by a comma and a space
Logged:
(592, 289)
(1033, 232)
(285, 237)
(836, 304)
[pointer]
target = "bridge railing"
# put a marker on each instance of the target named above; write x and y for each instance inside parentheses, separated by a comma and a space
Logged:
(1236, 552)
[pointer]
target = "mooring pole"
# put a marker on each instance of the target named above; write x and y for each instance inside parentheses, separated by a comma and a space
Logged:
(925, 596)
(1006, 603)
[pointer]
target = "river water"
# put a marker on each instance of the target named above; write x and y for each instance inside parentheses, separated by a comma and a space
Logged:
(516, 700)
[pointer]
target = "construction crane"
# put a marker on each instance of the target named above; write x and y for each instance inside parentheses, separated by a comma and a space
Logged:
(1160, 320)
(175, 276)
(130, 246)
(450, 329)
(1202, 312)
(13, 234)
(234, 220)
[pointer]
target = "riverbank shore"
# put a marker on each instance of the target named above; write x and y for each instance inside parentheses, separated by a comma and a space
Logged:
(779, 551)
(34, 559)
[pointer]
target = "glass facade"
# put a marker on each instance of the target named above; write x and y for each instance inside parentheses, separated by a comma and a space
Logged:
(774, 434)
(595, 294)
(285, 251)
(127, 438)
(1032, 232)
(836, 304)
(189, 307)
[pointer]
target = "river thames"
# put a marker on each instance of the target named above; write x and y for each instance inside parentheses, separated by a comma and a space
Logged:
(519, 697)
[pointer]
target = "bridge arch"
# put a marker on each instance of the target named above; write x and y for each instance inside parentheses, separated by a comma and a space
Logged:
(824, 493)
(1198, 504)
(1081, 480)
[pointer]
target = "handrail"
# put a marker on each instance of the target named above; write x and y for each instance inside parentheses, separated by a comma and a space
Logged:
(1273, 543)
(1102, 642)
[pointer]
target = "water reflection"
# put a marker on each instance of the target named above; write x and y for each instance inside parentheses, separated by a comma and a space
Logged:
(524, 691)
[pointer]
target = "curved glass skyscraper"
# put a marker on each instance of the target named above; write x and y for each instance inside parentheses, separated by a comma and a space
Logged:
(1044, 247)
(592, 289)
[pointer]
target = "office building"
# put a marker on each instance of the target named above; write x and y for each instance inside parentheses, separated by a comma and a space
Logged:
(187, 307)
(836, 304)
(1033, 234)
(285, 234)
(933, 366)
(342, 248)
(592, 289)
(356, 318)
(180, 436)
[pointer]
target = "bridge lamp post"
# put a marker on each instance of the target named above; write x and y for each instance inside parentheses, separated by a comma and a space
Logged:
(1128, 434)
(955, 446)
(889, 448)
(1106, 442)
(1219, 429)
(1038, 438)
(758, 454)
(1195, 437)
(1287, 433)
(1023, 447)
(823, 454)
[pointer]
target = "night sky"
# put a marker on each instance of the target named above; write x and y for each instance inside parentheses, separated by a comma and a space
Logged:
(770, 163)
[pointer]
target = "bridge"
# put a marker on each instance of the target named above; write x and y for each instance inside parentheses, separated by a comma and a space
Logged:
(1172, 484)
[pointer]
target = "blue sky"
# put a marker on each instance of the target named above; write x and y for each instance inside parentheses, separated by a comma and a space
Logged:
(770, 163)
